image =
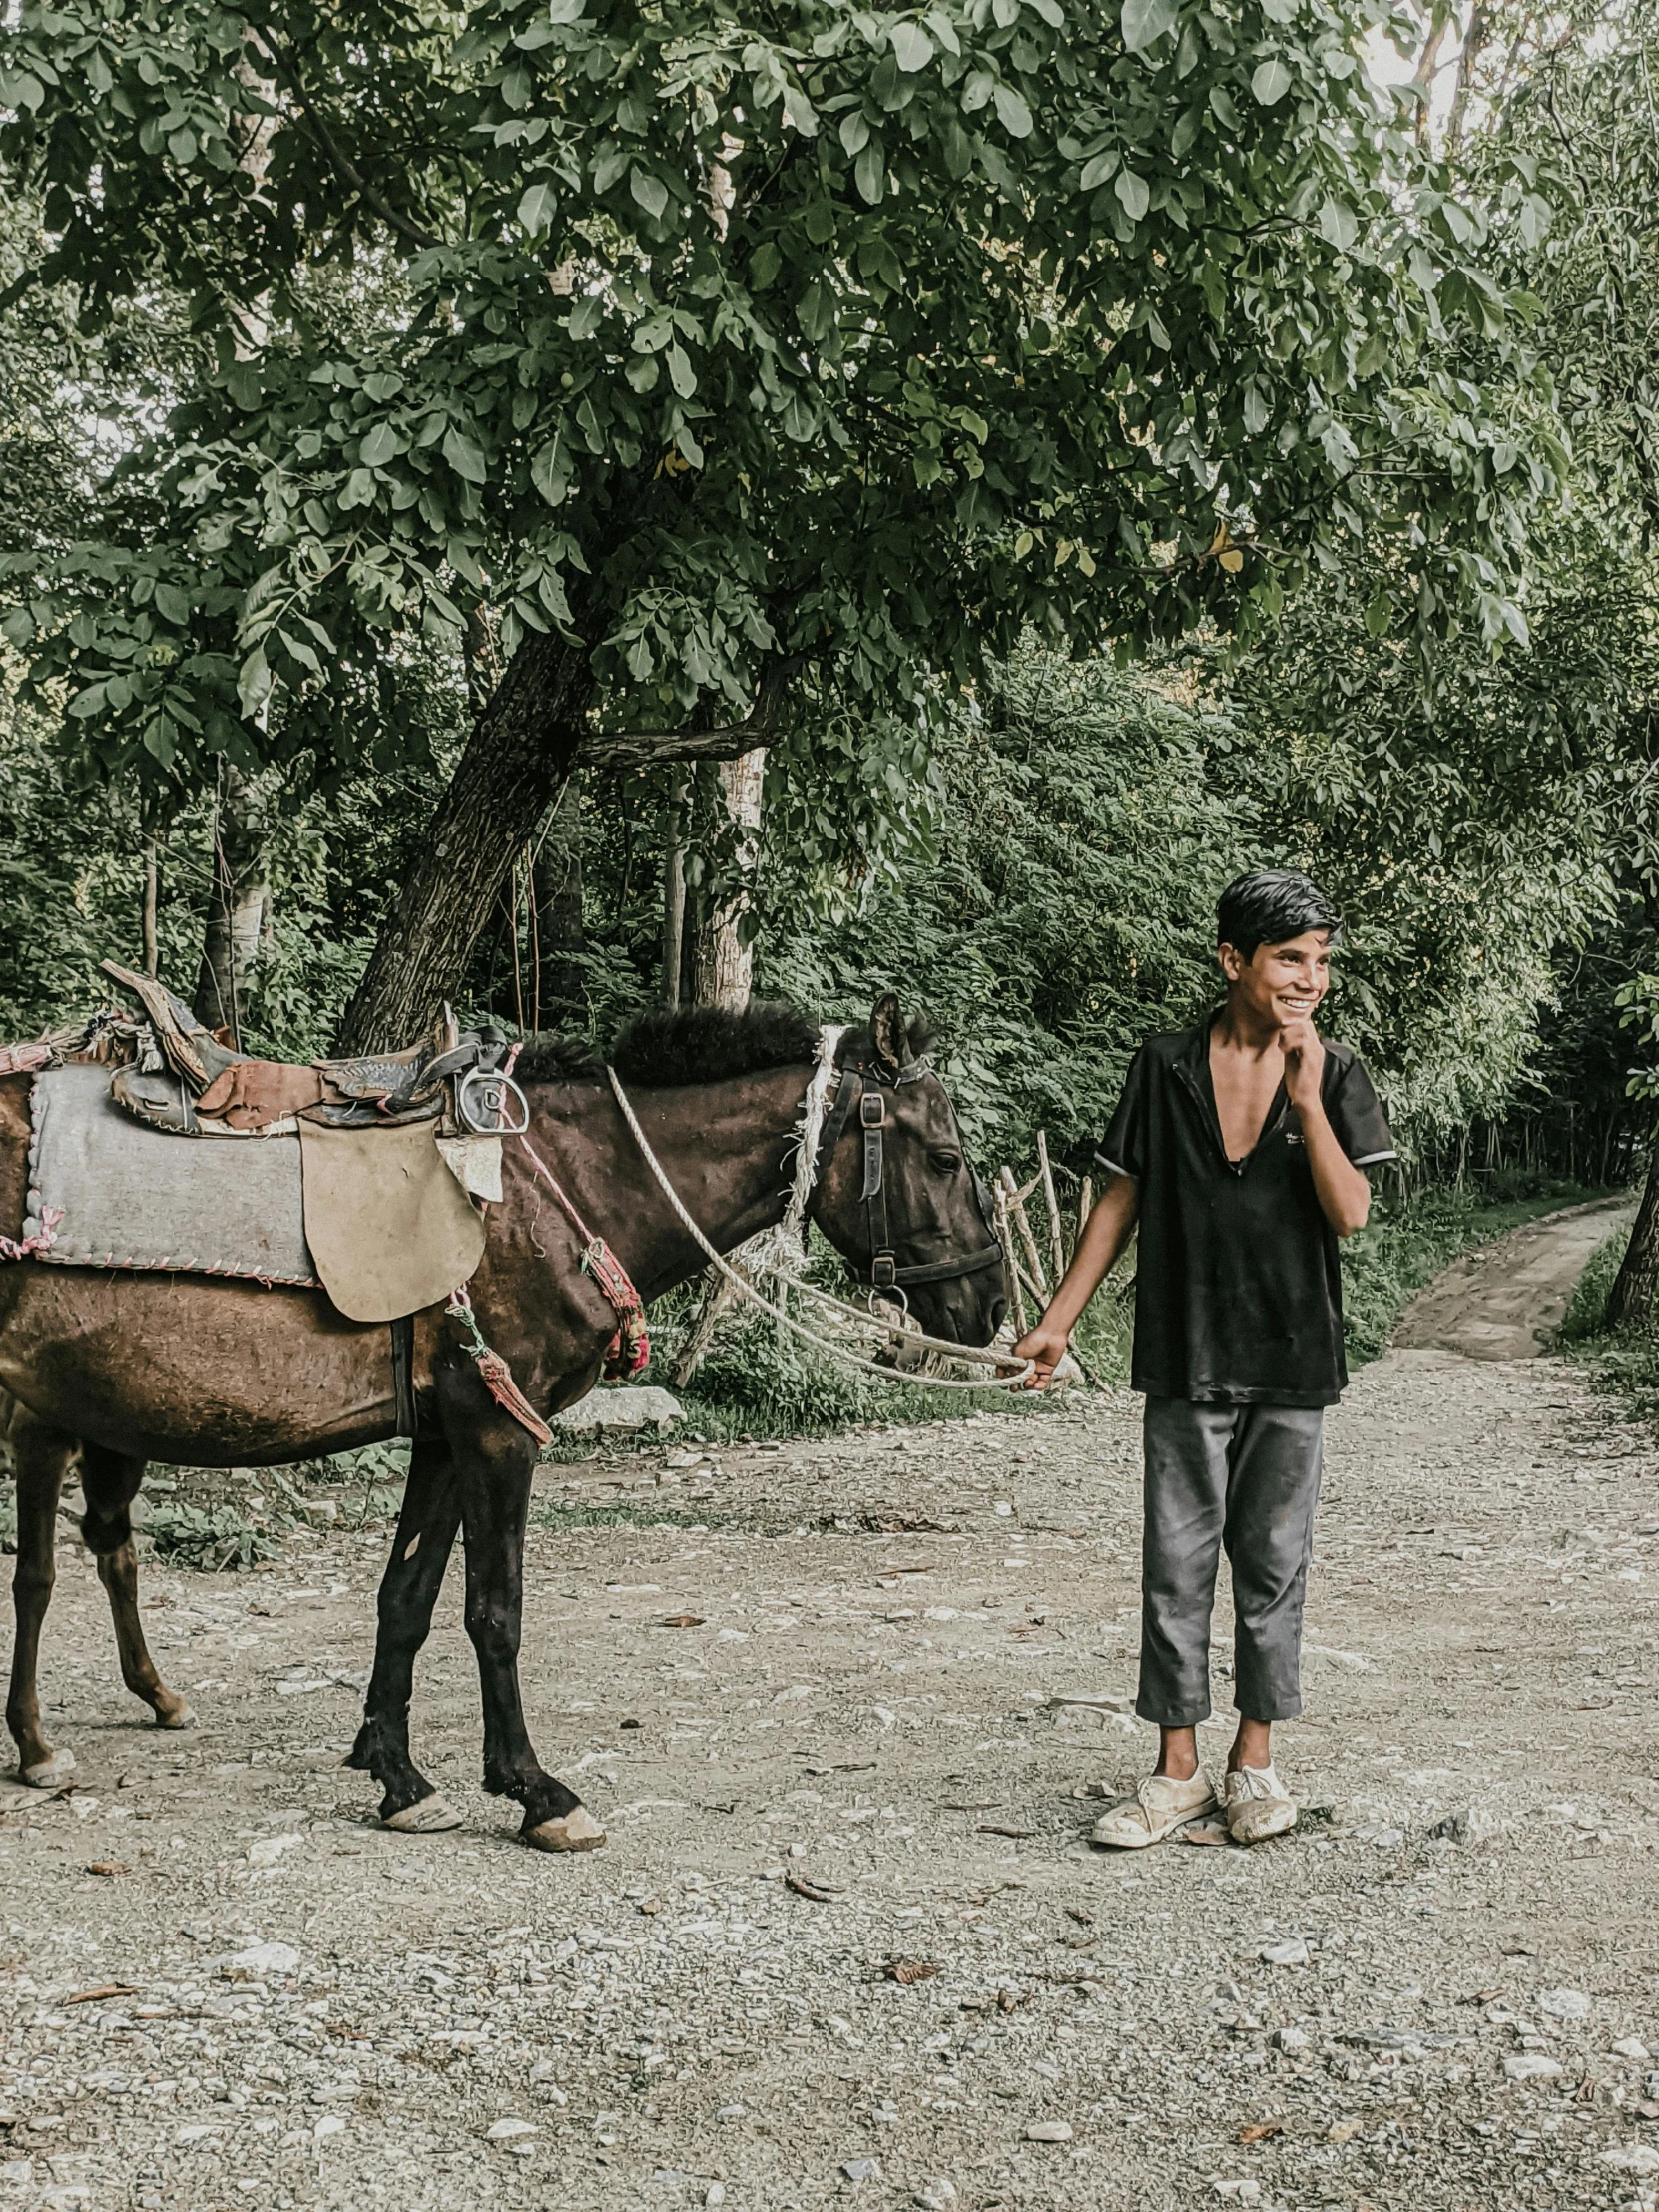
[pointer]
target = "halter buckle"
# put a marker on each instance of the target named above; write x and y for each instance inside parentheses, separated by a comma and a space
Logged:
(883, 1271)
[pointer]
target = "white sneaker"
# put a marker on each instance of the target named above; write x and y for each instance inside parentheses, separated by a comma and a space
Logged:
(1257, 1803)
(1159, 1806)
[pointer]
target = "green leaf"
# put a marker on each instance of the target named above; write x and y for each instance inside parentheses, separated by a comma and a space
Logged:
(855, 132)
(1379, 614)
(1147, 21)
(172, 603)
(548, 478)
(380, 446)
(680, 372)
(1133, 192)
(1012, 112)
(650, 192)
(912, 49)
(763, 265)
(254, 683)
(870, 171)
(1097, 171)
(465, 458)
(535, 210)
(1270, 81)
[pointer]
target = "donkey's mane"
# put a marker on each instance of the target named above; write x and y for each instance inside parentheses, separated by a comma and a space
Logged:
(698, 1044)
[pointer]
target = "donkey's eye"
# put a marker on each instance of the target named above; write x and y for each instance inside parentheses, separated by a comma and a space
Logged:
(948, 1163)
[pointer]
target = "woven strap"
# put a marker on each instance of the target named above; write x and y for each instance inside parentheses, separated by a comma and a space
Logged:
(44, 1238)
(497, 1376)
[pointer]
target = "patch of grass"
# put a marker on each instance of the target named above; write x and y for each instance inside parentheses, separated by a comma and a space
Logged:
(1406, 1246)
(1625, 1361)
(551, 1514)
(208, 1538)
(1586, 1314)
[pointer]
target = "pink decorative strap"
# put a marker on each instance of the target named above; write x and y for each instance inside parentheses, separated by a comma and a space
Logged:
(629, 1351)
(22, 1059)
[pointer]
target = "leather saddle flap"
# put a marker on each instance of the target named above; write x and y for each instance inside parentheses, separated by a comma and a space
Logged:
(389, 1227)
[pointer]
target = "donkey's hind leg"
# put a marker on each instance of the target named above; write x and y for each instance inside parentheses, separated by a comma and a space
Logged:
(42, 1456)
(110, 1481)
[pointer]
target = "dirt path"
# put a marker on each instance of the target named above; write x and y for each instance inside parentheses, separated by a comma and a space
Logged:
(1504, 1301)
(1436, 1995)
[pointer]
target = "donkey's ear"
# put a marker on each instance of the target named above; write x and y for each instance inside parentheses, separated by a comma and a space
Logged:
(892, 1038)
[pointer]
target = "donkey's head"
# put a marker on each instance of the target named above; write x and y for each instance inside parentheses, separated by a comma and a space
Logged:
(896, 1197)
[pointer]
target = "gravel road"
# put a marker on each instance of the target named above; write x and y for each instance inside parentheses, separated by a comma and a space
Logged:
(221, 1986)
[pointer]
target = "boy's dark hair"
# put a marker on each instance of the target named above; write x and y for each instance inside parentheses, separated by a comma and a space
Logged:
(1269, 905)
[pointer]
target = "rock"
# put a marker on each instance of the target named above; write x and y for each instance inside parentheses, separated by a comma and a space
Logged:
(715, 2193)
(1471, 1824)
(1048, 2131)
(1291, 1952)
(862, 2170)
(270, 1849)
(1532, 2065)
(1292, 2041)
(935, 2195)
(629, 1405)
(1637, 2158)
(1238, 2192)
(259, 1960)
(508, 2132)
(1564, 2004)
(1632, 2046)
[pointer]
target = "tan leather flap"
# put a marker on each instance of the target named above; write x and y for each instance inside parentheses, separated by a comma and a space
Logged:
(390, 1229)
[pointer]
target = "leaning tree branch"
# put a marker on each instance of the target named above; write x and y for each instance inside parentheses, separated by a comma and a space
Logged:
(762, 726)
(316, 125)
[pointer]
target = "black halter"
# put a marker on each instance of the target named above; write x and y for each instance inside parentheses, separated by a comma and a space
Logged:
(864, 1086)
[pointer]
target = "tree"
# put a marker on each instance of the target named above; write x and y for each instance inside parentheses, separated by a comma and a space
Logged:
(746, 373)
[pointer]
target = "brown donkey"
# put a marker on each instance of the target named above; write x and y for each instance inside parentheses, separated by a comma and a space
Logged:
(125, 1367)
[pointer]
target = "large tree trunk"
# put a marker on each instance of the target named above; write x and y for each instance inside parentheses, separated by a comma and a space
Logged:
(1630, 1301)
(560, 935)
(521, 747)
(237, 906)
(725, 963)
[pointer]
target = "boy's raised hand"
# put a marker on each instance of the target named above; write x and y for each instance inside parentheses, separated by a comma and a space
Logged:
(1303, 1061)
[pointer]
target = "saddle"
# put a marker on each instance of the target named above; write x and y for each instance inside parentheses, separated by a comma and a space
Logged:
(180, 1077)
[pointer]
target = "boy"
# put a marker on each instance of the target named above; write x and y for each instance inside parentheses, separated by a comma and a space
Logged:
(1239, 1147)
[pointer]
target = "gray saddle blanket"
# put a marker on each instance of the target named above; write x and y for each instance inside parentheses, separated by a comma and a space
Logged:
(131, 1196)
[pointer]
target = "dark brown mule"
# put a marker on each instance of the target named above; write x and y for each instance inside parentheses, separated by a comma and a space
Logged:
(191, 1370)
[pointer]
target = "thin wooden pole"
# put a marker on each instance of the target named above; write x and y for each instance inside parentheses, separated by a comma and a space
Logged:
(1016, 1207)
(149, 923)
(1056, 1236)
(1010, 1264)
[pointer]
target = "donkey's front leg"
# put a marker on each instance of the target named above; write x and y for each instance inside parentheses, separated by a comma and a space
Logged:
(409, 1592)
(42, 1454)
(497, 1460)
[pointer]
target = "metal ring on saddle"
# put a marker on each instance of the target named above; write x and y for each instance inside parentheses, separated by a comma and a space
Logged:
(486, 1114)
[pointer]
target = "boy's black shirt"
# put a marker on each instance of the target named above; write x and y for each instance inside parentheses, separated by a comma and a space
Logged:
(1237, 1290)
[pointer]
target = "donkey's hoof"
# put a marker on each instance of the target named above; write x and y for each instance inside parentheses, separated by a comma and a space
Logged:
(576, 1830)
(46, 1774)
(429, 1818)
(176, 1715)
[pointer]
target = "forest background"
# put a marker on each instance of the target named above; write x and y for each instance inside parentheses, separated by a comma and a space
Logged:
(926, 515)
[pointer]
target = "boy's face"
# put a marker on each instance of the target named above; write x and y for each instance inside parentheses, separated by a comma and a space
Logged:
(1280, 984)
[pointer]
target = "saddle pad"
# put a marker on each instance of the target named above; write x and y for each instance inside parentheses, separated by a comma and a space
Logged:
(133, 1197)
(389, 1226)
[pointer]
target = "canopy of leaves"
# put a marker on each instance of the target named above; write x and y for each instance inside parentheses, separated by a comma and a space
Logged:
(861, 339)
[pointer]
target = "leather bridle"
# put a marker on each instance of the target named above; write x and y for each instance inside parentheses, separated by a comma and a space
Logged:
(864, 1086)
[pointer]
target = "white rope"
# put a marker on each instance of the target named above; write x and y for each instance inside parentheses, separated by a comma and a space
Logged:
(903, 1340)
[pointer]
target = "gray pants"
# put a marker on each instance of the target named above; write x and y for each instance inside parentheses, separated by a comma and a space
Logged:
(1239, 1478)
